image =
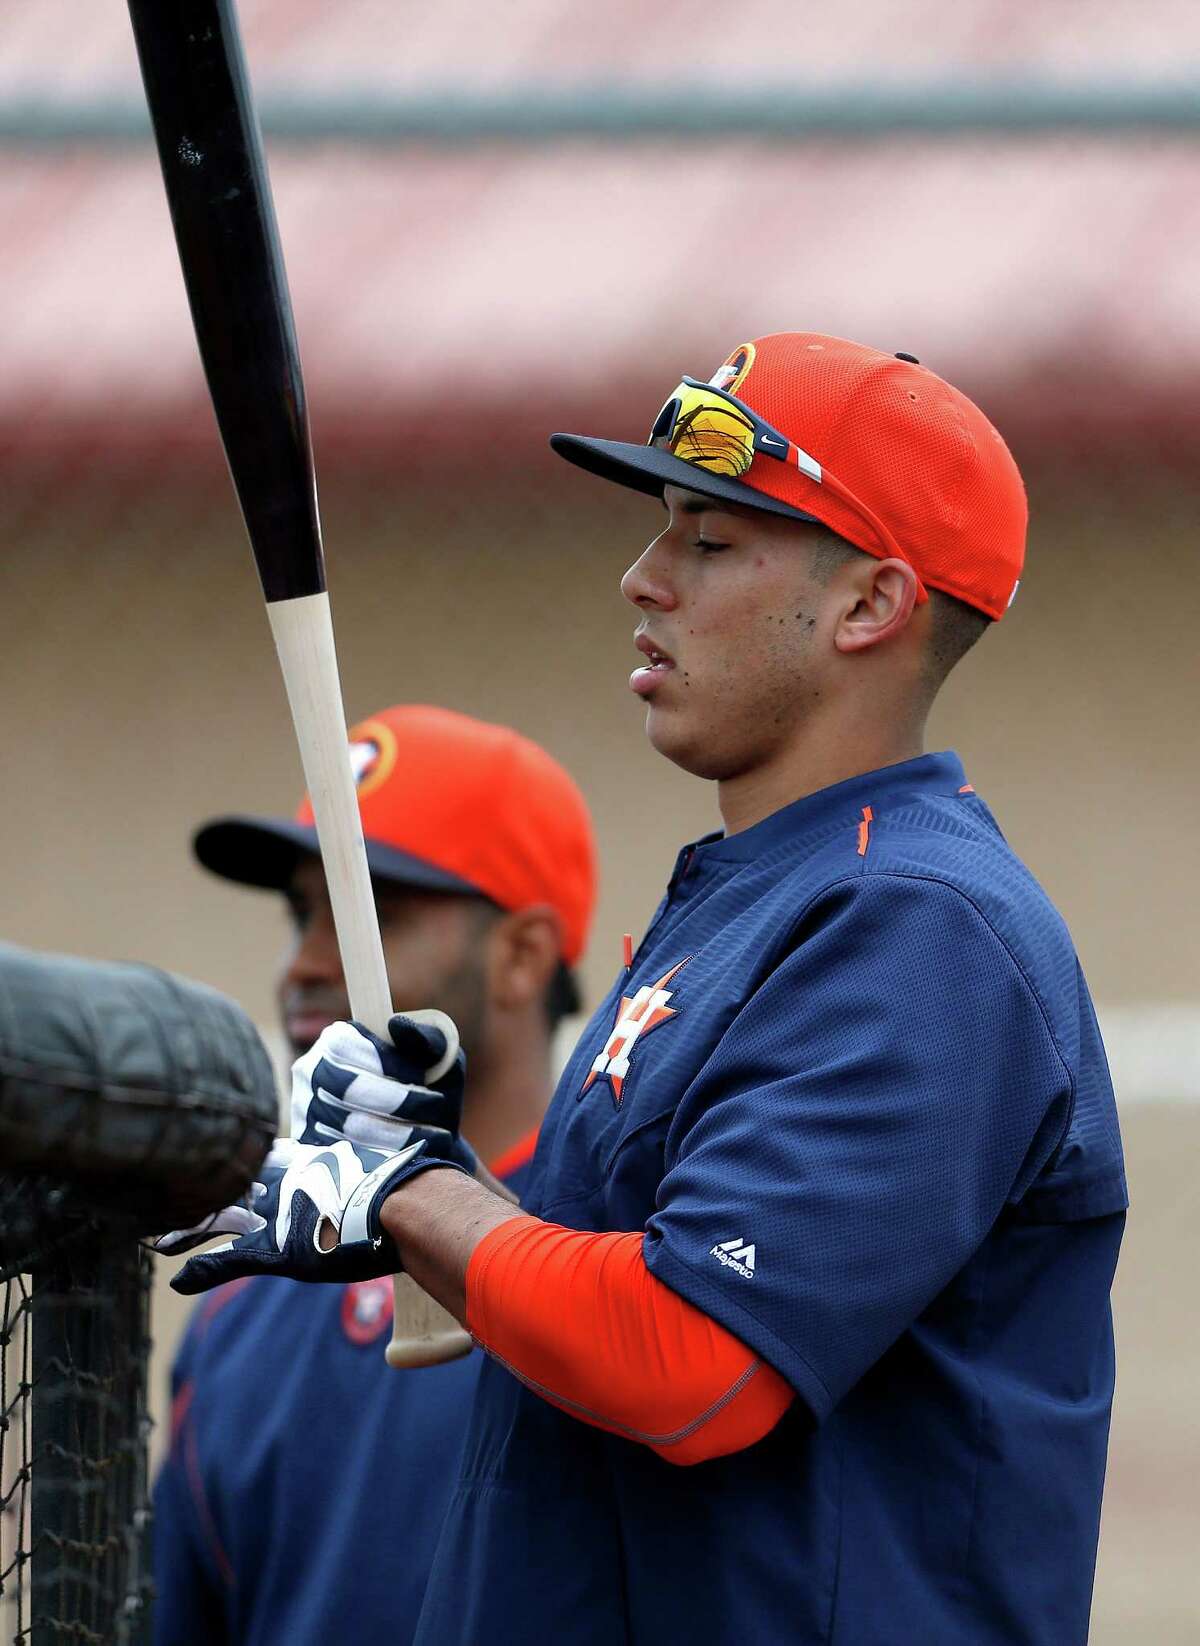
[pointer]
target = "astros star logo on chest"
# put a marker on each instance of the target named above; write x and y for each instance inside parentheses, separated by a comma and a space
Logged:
(636, 1016)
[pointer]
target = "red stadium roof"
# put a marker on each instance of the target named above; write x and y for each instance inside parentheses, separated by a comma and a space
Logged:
(447, 298)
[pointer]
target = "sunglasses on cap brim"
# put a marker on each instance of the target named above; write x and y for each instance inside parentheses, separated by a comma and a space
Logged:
(713, 430)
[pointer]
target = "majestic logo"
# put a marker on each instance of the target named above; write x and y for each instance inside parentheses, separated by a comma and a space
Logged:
(736, 1255)
(636, 1016)
(733, 372)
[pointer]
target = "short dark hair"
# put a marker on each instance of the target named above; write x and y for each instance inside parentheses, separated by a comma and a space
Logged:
(829, 551)
(562, 998)
(954, 627)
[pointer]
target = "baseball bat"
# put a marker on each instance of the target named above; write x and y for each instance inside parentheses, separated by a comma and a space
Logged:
(210, 149)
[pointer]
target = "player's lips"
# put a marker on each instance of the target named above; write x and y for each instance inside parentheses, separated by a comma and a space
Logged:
(303, 1023)
(645, 679)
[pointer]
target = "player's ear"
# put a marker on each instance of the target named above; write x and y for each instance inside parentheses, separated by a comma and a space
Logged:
(881, 598)
(523, 952)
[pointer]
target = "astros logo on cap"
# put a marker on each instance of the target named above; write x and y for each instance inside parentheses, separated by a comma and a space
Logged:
(372, 755)
(731, 374)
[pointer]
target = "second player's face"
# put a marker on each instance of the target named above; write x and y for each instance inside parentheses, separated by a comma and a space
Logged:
(431, 943)
(733, 628)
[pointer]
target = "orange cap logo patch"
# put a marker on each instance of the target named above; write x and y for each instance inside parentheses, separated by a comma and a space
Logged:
(372, 755)
(732, 373)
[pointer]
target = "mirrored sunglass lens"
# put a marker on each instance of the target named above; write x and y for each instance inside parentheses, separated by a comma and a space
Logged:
(710, 434)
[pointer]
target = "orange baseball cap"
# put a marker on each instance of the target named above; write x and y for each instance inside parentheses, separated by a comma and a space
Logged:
(448, 804)
(875, 446)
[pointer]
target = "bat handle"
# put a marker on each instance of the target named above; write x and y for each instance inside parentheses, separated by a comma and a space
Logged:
(423, 1333)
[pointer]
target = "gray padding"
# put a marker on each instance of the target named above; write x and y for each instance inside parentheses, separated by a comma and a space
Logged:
(154, 1096)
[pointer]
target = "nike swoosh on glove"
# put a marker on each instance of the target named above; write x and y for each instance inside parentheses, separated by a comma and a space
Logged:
(319, 1207)
(351, 1083)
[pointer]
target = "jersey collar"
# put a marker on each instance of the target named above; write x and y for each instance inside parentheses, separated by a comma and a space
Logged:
(929, 774)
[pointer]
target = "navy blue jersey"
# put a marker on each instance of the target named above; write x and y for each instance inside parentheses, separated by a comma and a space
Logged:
(303, 1493)
(853, 1090)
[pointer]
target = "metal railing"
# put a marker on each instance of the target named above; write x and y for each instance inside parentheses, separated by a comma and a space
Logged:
(536, 114)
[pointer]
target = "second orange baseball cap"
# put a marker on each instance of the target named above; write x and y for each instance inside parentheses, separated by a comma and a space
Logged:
(450, 804)
(875, 446)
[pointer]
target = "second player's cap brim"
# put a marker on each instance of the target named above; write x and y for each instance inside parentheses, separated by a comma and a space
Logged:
(649, 469)
(264, 851)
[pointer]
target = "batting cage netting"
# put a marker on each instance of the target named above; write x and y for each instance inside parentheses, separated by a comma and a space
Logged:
(74, 1494)
(130, 1102)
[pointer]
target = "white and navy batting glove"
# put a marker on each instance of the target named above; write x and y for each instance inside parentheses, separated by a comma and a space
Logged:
(318, 1210)
(352, 1084)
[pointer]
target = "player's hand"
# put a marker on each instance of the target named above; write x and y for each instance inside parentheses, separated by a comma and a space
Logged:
(385, 1094)
(318, 1212)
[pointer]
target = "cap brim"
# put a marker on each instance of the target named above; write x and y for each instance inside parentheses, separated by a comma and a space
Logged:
(264, 851)
(648, 469)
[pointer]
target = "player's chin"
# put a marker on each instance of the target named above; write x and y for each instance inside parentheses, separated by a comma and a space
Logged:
(683, 738)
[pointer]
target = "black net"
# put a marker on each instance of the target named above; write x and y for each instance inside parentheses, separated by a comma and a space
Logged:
(74, 1498)
(151, 1100)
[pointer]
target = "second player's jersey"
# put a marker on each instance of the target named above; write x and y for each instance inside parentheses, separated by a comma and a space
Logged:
(303, 1492)
(853, 1090)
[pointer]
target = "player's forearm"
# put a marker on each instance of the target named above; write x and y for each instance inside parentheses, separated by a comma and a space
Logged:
(580, 1319)
(436, 1221)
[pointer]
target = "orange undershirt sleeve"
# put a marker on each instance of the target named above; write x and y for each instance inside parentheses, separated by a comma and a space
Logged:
(581, 1320)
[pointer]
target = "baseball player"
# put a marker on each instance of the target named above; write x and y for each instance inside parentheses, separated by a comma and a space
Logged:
(803, 1331)
(295, 1453)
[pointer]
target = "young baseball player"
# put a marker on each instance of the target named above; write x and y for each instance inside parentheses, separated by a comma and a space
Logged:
(803, 1333)
(286, 1421)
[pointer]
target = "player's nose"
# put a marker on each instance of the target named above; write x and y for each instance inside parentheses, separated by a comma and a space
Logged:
(646, 583)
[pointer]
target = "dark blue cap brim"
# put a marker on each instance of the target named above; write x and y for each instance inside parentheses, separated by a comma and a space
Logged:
(649, 469)
(264, 851)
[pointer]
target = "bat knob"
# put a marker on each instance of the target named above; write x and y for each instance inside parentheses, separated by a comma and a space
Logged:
(442, 1021)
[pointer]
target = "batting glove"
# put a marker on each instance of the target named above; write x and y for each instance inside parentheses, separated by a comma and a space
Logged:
(385, 1094)
(318, 1213)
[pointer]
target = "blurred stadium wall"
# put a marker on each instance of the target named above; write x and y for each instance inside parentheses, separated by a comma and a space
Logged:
(500, 222)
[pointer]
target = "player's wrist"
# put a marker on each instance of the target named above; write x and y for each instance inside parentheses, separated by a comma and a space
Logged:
(364, 1219)
(436, 1222)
